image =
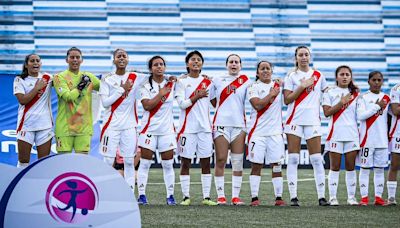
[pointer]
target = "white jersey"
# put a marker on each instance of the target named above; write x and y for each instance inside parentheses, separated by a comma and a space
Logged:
(124, 115)
(270, 121)
(38, 116)
(343, 124)
(394, 99)
(373, 120)
(158, 121)
(198, 118)
(231, 112)
(305, 110)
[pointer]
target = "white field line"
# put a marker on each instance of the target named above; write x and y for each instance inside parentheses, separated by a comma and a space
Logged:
(229, 182)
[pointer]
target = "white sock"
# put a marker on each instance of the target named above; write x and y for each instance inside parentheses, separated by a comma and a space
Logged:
(333, 182)
(185, 185)
(277, 182)
(169, 176)
(291, 173)
(379, 181)
(21, 165)
(236, 185)
(351, 183)
(254, 185)
(391, 188)
(143, 174)
(206, 184)
(219, 185)
(129, 173)
(319, 174)
(363, 180)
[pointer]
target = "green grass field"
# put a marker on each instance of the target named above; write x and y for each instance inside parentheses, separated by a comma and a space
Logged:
(157, 214)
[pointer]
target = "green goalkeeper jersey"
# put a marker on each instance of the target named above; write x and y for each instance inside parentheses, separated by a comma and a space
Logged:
(74, 107)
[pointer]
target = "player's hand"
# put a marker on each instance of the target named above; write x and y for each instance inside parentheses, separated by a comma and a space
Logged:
(273, 92)
(39, 85)
(305, 83)
(345, 99)
(172, 78)
(164, 91)
(127, 86)
(382, 103)
(201, 93)
(279, 81)
(85, 80)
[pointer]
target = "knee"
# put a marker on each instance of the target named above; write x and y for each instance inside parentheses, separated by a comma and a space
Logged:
(145, 164)
(167, 164)
(237, 162)
(315, 159)
(294, 159)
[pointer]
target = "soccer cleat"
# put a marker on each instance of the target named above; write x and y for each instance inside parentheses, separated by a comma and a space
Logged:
(333, 201)
(171, 200)
(185, 201)
(142, 200)
(279, 202)
(352, 201)
(294, 202)
(391, 202)
(255, 202)
(208, 202)
(364, 201)
(379, 201)
(221, 201)
(237, 201)
(323, 202)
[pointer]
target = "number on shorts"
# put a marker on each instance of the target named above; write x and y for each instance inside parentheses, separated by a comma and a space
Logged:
(364, 152)
(183, 141)
(252, 147)
(220, 128)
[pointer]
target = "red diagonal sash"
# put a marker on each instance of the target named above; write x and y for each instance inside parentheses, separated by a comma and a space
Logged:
(33, 101)
(203, 85)
(337, 115)
(158, 106)
(116, 104)
(394, 128)
(259, 114)
(227, 91)
(372, 119)
(303, 95)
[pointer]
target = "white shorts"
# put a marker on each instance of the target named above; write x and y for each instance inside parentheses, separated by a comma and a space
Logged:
(36, 137)
(309, 131)
(200, 143)
(394, 145)
(342, 147)
(229, 133)
(373, 157)
(125, 140)
(269, 148)
(162, 143)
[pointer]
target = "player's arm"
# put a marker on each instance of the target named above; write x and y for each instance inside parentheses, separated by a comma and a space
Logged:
(260, 103)
(330, 110)
(25, 98)
(365, 111)
(183, 102)
(150, 103)
(290, 96)
(395, 108)
(63, 90)
(109, 97)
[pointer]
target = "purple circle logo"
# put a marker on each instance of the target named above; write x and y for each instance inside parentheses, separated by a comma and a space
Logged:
(71, 197)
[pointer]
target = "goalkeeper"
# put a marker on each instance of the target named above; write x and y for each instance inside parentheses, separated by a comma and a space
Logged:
(74, 124)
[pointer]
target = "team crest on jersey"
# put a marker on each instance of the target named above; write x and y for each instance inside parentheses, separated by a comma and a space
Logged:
(240, 81)
(203, 85)
(315, 78)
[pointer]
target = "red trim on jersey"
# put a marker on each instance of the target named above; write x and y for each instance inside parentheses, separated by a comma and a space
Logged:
(226, 92)
(32, 102)
(116, 104)
(372, 119)
(203, 85)
(259, 114)
(337, 115)
(303, 95)
(158, 106)
(394, 128)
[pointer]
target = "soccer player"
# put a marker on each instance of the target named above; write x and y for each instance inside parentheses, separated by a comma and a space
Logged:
(35, 122)
(74, 124)
(265, 138)
(372, 110)
(158, 131)
(339, 103)
(229, 127)
(118, 95)
(394, 144)
(194, 93)
(302, 92)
